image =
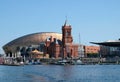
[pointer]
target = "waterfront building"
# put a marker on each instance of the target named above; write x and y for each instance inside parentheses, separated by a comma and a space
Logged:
(36, 54)
(22, 46)
(110, 48)
(91, 51)
(46, 44)
(64, 48)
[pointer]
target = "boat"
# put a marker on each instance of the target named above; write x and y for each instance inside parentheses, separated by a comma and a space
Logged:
(77, 62)
(60, 62)
(32, 62)
(14, 64)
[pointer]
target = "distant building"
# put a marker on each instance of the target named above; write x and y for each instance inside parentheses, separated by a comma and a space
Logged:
(110, 48)
(46, 44)
(62, 48)
(36, 54)
(22, 46)
(91, 51)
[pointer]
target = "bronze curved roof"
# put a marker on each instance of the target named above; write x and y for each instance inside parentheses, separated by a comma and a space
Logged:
(30, 39)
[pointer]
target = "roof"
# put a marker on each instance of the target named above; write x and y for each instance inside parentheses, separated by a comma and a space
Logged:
(112, 43)
(30, 39)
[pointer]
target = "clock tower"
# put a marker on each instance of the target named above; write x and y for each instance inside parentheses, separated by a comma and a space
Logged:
(66, 34)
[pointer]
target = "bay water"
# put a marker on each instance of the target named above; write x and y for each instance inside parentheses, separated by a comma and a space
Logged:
(60, 73)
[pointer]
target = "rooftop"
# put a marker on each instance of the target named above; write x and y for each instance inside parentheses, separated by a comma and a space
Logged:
(112, 43)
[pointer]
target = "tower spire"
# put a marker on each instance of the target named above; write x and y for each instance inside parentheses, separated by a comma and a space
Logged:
(65, 21)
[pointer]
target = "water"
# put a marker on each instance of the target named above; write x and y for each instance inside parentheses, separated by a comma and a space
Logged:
(56, 73)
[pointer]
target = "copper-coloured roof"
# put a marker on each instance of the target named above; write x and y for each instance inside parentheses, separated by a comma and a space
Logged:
(30, 39)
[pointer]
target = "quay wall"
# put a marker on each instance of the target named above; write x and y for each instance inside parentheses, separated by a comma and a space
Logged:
(86, 60)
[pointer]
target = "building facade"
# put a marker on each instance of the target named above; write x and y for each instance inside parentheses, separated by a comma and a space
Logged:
(22, 46)
(91, 50)
(109, 49)
(62, 48)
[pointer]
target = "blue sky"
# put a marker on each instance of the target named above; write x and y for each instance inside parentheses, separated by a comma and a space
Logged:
(95, 20)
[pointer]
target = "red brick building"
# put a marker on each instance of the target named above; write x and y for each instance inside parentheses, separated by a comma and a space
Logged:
(65, 48)
(91, 50)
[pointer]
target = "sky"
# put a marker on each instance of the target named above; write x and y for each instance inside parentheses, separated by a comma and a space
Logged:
(91, 20)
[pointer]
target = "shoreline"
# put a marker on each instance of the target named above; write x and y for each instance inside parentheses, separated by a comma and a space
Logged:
(80, 61)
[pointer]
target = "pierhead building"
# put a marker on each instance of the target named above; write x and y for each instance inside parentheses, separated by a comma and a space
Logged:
(62, 48)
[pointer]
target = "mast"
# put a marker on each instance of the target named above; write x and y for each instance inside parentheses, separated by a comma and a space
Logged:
(80, 46)
(79, 39)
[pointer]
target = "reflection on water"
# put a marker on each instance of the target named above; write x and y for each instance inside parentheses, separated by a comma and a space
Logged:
(56, 73)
